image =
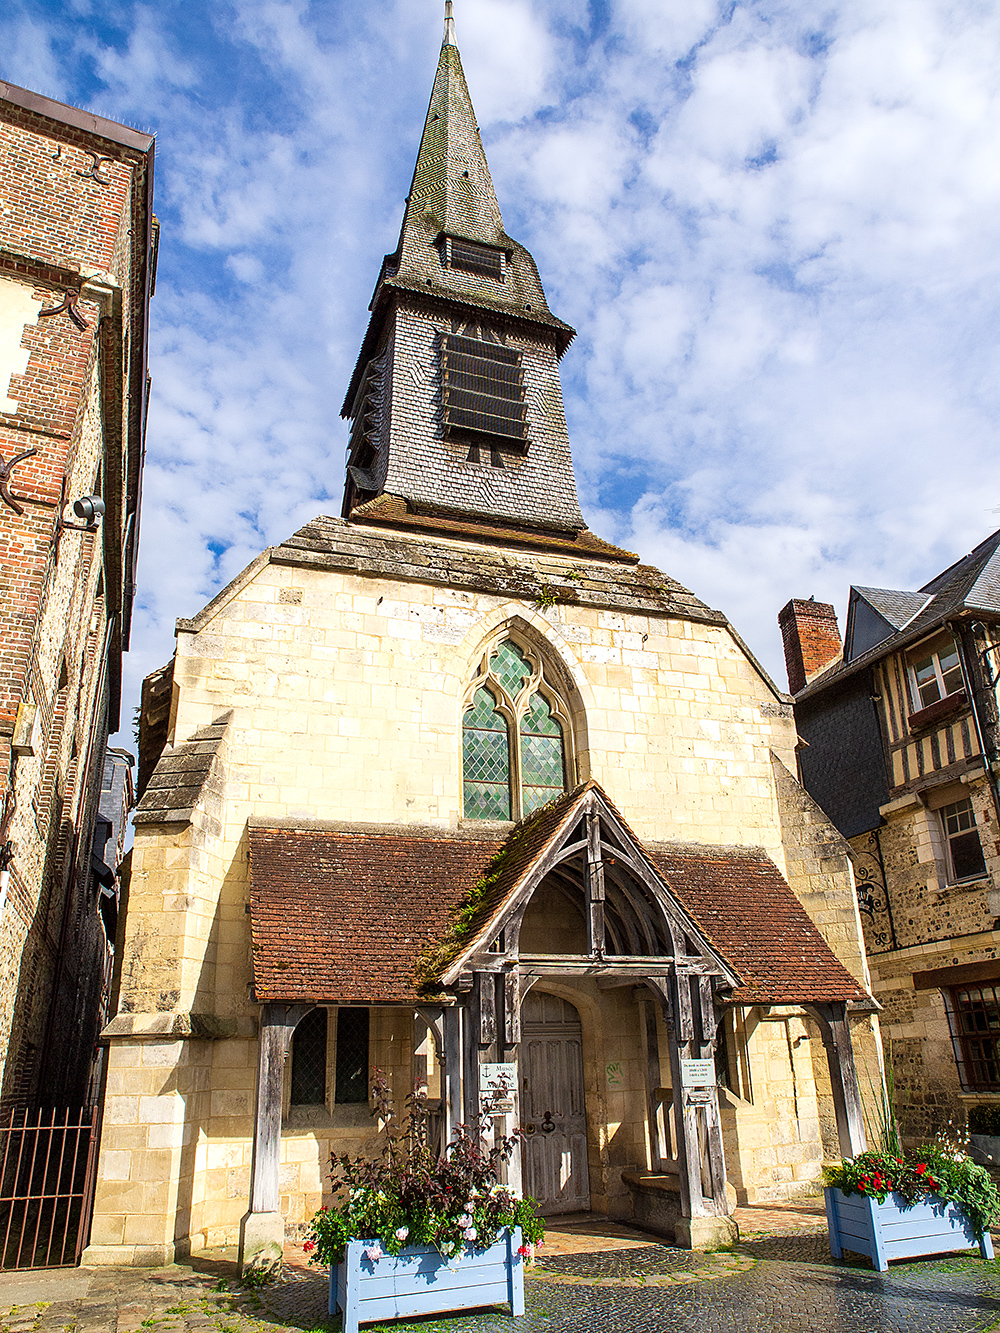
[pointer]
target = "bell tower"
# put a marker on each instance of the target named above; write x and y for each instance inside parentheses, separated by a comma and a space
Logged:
(455, 404)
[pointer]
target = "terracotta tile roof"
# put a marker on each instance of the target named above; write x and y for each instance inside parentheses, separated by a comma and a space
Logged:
(344, 915)
(748, 912)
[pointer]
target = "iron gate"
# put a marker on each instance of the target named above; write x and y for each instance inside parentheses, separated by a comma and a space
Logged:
(47, 1160)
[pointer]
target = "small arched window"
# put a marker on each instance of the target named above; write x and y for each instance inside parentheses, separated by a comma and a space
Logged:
(514, 752)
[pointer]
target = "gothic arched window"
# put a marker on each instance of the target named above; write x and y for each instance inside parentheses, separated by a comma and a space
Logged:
(514, 751)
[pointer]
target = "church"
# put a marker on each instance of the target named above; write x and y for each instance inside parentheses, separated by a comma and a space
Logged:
(451, 788)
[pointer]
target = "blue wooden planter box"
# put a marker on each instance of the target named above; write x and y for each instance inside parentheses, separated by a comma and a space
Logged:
(890, 1230)
(420, 1281)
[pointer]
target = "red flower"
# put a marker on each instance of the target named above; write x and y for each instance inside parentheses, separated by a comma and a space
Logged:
(523, 1251)
(309, 1245)
(921, 1168)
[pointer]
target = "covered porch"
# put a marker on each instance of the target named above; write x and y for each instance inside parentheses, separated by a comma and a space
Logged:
(574, 983)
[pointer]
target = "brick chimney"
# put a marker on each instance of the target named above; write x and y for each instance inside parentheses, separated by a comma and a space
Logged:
(812, 640)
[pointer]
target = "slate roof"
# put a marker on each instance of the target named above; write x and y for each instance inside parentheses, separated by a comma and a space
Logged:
(342, 915)
(181, 777)
(972, 584)
(452, 194)
(894, 607)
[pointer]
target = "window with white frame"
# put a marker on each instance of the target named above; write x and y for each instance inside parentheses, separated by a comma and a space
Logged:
(515, 737)
(965, 850)
(935, 671)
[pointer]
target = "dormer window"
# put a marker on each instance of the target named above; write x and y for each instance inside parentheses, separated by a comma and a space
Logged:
(935, 671)
(472, 257)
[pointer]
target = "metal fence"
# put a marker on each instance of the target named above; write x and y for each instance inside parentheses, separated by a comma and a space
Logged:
(47, 1160)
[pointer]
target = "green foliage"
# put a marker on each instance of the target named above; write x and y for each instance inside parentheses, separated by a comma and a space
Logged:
(255, 1276)
(984, 1119)
(936, 1169)
(407, 1195)
(547, 596)
(881, 1122)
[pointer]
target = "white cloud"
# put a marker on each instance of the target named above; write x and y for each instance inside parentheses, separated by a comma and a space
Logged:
(774, 227)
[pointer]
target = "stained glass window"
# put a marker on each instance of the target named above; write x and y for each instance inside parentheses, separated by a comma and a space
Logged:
(543, 771)
(510, 667)
(486, 760)
(309, 1060)
(352, 1055)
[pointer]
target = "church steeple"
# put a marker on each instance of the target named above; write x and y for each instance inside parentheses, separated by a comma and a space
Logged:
(455, 399)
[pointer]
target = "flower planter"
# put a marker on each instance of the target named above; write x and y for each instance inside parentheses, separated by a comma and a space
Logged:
(891, 1230)
(420, 1281)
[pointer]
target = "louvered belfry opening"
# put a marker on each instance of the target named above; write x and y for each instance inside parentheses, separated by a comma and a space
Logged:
(483, 391)
(471, 257)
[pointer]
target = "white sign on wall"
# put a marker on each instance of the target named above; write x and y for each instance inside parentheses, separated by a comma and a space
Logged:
(497, 1085)
(698, 1073)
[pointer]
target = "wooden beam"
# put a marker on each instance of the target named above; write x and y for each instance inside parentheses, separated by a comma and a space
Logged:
(451, 1100)
(836, 1034)
(511, 1011)
(595, 887)
(486, 997)
(277, 1023)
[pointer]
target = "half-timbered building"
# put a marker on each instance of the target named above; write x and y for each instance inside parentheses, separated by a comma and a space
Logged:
(450, 787)
(901, 736)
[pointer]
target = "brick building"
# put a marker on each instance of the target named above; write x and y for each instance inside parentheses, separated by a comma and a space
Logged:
(901, 751)
(77, 256)
(449, 782)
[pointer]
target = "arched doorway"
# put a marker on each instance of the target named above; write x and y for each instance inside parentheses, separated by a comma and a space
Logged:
(552, 1105)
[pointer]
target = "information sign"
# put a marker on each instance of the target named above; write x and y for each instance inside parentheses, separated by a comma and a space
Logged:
(698, 1073)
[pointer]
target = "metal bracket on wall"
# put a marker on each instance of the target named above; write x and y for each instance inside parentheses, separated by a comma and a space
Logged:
(68, 306)
(6, 471)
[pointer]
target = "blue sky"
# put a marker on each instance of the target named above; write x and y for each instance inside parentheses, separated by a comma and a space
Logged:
(773, 224)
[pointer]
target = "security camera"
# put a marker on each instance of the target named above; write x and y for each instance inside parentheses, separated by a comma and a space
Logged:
(89, 507)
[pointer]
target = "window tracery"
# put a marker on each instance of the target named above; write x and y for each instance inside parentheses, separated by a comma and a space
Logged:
(516, 737)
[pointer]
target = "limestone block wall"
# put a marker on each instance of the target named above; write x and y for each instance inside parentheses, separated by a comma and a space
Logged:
(339, 696)
(347, 691)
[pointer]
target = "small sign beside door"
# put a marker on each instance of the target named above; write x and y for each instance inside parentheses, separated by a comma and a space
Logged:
(497, 1085)
(698, 1073)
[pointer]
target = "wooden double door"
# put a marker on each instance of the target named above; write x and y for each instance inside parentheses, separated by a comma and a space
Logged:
(553, 1114)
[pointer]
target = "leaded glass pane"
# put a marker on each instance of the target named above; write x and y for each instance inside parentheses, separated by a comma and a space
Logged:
(309, 1060)
(486, 760)
(352, 1055)
(510, 667)
(543, 769)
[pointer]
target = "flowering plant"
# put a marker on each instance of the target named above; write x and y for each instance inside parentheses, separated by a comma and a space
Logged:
(408, 1195)
(938, 1168)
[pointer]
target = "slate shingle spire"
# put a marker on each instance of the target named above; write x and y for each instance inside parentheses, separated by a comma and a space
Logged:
(455, 401)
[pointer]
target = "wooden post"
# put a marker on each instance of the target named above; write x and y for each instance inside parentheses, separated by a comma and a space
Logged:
(595, 887)
(651, 1038)
(452, 1090)
(262, 1229)
(836, 1033)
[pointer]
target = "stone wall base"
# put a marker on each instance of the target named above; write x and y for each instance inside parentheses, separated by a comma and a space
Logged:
(656, 1201)
(133, 1256)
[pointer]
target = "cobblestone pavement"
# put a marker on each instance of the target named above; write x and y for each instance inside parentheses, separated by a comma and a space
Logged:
(780, 1279)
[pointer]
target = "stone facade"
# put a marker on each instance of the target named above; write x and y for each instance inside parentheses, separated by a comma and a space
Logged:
(325, 693)
(337, 697)
(76, 240)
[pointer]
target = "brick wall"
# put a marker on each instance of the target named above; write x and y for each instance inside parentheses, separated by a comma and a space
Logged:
(74, 278)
